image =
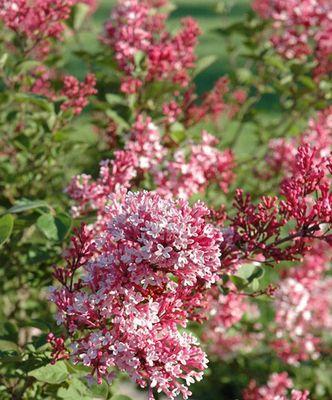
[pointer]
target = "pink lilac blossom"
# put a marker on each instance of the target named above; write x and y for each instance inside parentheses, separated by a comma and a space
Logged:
(183, 176)
(303, 28)
(303, 307)
(171, 111)
(137, 28)
(139, 247)
(37, 20)
(143, 151)
(225, 311)
(92, 195)
(42, 82)
(228, 344)
(255, 230)
(77, 93)
(219, 101)
(145, 143)
(277, 388)
(172, 174)
(141, 278)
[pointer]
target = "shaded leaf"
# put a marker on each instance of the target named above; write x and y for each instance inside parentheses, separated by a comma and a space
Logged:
(239, 282)
(204, 63)
(115, 99)
(63, 223)
(6, 227)
(25, 205)
(80, 11)
(6, 345)
(76, 390)
(53, 374)
(35, 100)
(46, 224)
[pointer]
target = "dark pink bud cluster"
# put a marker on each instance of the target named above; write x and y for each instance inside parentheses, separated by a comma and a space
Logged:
(136, 33)
(277, 387)
(307, 206)
(302, 28)
(59, 352)
(308, 196)
(140, 278)
(77, 93)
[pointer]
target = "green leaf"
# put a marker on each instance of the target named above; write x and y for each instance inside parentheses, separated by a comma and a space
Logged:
(46, 224)
(3, 60)
(100, 391)
(276, 62)
(63, 224)
(6, 227)
(60, 136)
(204, 63)
(139, 57)
(6, 345)
(36, 100)
(178, 136)
(250, 272)
(120, 397)
(9, 359)
(115, 99)
(245, 271)
(117, 119)
(53, 374)
(255, 285)
(257, 274)
(238, 282)
(27, 66)
(25, 205)
(308, 82)
(76, 390)
(77, 369)
(244, 75)
(81, 10)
